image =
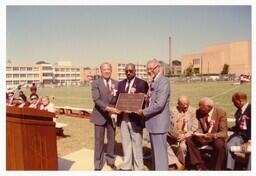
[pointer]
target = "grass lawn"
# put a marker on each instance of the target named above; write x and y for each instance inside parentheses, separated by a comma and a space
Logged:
(80, 131)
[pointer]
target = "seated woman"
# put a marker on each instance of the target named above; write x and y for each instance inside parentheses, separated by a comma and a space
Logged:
(35, 101)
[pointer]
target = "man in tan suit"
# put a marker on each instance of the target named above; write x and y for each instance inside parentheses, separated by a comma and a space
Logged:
(212, 131)
(183, 124)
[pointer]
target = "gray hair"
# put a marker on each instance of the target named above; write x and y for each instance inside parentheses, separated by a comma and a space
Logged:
(206, 101)
(46, 98)
(156, 62)
(105, 63)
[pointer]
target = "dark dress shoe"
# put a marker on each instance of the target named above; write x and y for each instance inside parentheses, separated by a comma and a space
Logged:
(112, 166)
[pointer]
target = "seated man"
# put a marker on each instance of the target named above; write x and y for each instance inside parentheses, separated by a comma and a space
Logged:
(242, 128)
(35, 101)
(183, 124)
(212, 130)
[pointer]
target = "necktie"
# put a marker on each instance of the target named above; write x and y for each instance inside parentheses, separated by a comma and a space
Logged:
(107, 81)
(128, 86)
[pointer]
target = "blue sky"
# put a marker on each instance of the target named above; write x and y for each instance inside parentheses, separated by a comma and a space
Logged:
(90, 35)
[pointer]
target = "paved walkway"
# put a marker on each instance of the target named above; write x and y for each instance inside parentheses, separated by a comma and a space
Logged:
(82, 160)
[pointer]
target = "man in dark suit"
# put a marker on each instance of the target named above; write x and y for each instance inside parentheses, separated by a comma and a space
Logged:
(157, 115)
(104, 91)
(131, 123)
(242, 128)
(213, 131)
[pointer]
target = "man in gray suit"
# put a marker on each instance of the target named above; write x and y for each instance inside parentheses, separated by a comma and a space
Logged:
(157, 115)
(104, 92)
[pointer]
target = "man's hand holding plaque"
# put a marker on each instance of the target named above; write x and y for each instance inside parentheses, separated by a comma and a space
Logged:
(129, 103)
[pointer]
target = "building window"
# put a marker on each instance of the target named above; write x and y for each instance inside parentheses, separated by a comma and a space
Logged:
(47, 68)
(8, 68)
(36, 75)
(16, 68)
(8, 82)
(35, 68)
(8, 75)
(23, 69)
(47, 74)
(23, 75)
(16, 82)
(56, 69)
(29, 68)
(30, 76)
(30, 82)
(16, 75)
(196, 61)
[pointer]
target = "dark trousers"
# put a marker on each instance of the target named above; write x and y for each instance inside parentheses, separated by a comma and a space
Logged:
(195, 156)
(99, 158)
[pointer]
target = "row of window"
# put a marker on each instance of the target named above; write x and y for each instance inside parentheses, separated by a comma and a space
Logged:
(67, 75)
(22, 68)
(67, 69)
(45, 68)
(22, 75)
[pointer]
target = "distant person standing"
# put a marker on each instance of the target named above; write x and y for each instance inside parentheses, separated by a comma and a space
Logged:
(33, 88)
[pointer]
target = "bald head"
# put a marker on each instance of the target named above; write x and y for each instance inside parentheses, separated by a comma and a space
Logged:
(183, 103)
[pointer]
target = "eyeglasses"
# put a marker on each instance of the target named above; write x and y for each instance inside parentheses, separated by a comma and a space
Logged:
(153, 68)
(33, 98)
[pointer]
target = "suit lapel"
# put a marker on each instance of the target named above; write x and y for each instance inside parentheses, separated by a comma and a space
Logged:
(215, 118)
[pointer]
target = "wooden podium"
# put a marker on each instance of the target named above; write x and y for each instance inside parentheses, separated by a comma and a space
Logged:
(30, 140)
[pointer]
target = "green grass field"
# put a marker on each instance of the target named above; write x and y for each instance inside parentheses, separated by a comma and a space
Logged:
(80, 132)
(220, 92)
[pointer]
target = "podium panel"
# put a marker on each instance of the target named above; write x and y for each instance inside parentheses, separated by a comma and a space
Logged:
(30, 140)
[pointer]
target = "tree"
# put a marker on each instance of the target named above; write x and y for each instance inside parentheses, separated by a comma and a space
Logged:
(189, 71)
(176, 62)
(41, 62)
(225, 69)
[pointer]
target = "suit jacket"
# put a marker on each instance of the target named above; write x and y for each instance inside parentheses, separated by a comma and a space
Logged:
(220, 125)
(176, 117)
(157, 114)
(246, 134)
(140, 86)
(102, 98)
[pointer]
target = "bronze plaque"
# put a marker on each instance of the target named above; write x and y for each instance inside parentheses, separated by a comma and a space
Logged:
(130, 102)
